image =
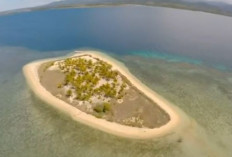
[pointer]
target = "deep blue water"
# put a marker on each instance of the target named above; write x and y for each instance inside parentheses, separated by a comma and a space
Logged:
(200, 37)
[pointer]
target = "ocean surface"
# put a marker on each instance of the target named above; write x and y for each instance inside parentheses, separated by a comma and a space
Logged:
(185, 56)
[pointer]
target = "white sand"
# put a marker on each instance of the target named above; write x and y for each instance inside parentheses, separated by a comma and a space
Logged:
(31, 73)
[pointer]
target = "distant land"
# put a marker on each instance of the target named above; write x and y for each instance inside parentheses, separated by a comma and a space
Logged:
(220, 8)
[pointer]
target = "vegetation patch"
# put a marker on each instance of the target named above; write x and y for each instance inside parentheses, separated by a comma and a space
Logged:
(89, 78)
(105, 107)
(95, 87)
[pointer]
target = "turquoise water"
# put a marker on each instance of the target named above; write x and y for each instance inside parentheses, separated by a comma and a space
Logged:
(182, 74)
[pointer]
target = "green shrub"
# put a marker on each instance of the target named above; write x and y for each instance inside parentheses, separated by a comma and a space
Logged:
(99, 108)
(69, 93)
(106, 107)
(59, 85)
(98, 115)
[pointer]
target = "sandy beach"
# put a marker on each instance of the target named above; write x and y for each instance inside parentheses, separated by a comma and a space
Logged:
(31, 73)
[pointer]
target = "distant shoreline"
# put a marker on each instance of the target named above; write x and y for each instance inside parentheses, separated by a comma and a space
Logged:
(188, 6)
(31, 73)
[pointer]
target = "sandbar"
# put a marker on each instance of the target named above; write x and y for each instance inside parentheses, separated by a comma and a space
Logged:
(33, 79)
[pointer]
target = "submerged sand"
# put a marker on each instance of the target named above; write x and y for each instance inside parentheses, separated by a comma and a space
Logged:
(33, 75)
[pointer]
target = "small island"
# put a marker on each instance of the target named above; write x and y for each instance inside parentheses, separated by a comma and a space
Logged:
(96, 90)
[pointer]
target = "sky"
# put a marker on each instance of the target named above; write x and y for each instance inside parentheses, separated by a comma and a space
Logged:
(16, 4)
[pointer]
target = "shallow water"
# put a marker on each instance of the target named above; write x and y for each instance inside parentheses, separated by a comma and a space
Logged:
(29, 128)
(204, 94)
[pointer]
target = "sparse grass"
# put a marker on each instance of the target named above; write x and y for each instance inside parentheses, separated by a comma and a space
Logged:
(49, 64)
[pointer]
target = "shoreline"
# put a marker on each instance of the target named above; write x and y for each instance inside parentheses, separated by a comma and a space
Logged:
(31, 73)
